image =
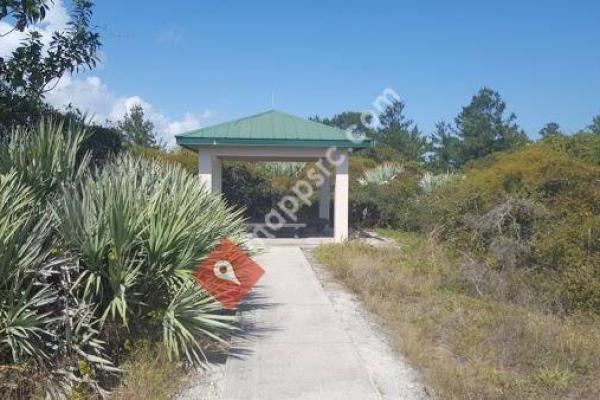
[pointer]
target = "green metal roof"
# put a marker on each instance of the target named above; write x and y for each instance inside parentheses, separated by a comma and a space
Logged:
(271, 129)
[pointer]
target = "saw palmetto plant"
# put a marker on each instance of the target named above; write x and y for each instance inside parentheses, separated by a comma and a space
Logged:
(44, 331)
(382, 174)
(45, 158)
(84, 254)
(140, 228)
(430, 182)
(271, 170)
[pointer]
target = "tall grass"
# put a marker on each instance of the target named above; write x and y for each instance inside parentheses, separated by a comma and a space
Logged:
(468, 345)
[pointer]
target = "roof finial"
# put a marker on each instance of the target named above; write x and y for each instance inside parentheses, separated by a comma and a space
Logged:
(272, 100)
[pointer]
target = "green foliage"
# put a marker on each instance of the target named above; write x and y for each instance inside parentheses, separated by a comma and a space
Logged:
(137, 130)
(351, 120)
(595, 126)
(391, 204)
(186, 159)
(399, 134)
(139, 229)
(101, 143)
(90, 260)
(244, 188)
(253, 188)
(23, 321)
(382, 174)
(446, 148)
(44, 331)
(550, 129)
(430, 182)
(23, 13)
(45, 157)
(358, 165)
(35, 67)
(534, 208)
(483, 127)
(584, 146)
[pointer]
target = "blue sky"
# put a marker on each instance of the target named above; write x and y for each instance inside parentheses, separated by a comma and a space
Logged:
(216, 60)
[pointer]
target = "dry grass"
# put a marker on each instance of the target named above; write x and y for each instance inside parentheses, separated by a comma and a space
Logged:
(149, 375)
(468, 346)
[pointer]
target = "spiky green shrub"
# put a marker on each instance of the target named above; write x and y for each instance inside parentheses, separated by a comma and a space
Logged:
(388, 204)
(45, 157)
(88, 258)
(271, 170)
(430, 182)
(535, 209)
(139, 229)
(45, 333)
(382, 174)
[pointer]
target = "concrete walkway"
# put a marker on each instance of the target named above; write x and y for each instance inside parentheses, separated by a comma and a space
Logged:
(293, 345)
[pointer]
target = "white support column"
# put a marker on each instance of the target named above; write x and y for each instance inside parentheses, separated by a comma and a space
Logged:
(217, 171)
(340, 215)
(324, 193)
(205, 168)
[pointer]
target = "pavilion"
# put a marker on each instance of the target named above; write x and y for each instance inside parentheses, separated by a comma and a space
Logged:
(277, 136)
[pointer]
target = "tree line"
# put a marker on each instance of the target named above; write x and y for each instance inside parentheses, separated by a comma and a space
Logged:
(482, 127)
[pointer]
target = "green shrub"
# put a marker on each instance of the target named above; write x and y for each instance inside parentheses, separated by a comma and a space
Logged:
(535, 208)
(139, 229)
(92, 260)
(185, 158)
(583, 145)
(247, 190)
(45, 332)
(388, 205)
(46, 157)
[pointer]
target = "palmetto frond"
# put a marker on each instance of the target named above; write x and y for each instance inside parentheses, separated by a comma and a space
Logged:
(140, 228)
(192, 314)
(45, 157)
(430, 182)
(382, 174)
(39, 315)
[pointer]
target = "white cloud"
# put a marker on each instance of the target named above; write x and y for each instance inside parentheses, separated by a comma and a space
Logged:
(91, 95)
(56, 19)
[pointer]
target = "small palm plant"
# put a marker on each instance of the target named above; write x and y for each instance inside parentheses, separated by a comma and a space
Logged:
(140, 228)
(44, 331)
(382, 174)
(86, 254)
(272, 170)
(46, 157)
(430, 182)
